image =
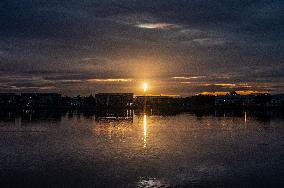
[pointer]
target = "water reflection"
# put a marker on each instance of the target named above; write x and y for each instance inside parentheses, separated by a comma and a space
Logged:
(113, 127)
(78, 149)
(33, 116)
(42, 115)
(145, 130)
(151, 182)
(114, 114)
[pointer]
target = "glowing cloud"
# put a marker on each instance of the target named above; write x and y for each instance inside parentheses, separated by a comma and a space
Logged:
(110, 80)
(155, 25)
(225, 85)
(187, 78)
(242, 92)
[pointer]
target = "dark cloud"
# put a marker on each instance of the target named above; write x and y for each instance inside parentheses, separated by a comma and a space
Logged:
(57, 45)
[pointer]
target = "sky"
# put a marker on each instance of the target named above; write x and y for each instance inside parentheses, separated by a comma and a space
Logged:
(183, 47)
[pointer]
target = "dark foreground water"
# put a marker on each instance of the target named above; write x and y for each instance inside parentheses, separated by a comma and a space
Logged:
(186, 150)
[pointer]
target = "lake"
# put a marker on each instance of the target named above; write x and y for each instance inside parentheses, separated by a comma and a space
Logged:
(73, 149)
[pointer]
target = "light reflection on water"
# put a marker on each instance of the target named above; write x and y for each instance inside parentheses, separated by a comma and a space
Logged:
(145, 130)
(151, 182)
(142, 150)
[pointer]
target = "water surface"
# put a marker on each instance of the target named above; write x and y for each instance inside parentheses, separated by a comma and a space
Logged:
(51, 149)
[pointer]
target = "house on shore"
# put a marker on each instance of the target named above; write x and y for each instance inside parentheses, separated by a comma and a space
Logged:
(231, 99)
(31, 100)
(154, 102)
(277, 100)
(9, 99)
(114, 100)
(253, 100)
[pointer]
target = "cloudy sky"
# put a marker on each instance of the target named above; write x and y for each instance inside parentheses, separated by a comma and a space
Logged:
(178, 46)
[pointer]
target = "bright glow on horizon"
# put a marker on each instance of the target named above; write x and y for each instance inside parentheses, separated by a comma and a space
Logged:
(145, 87)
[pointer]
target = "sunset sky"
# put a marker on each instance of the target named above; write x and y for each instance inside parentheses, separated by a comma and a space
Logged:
(178, 46)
